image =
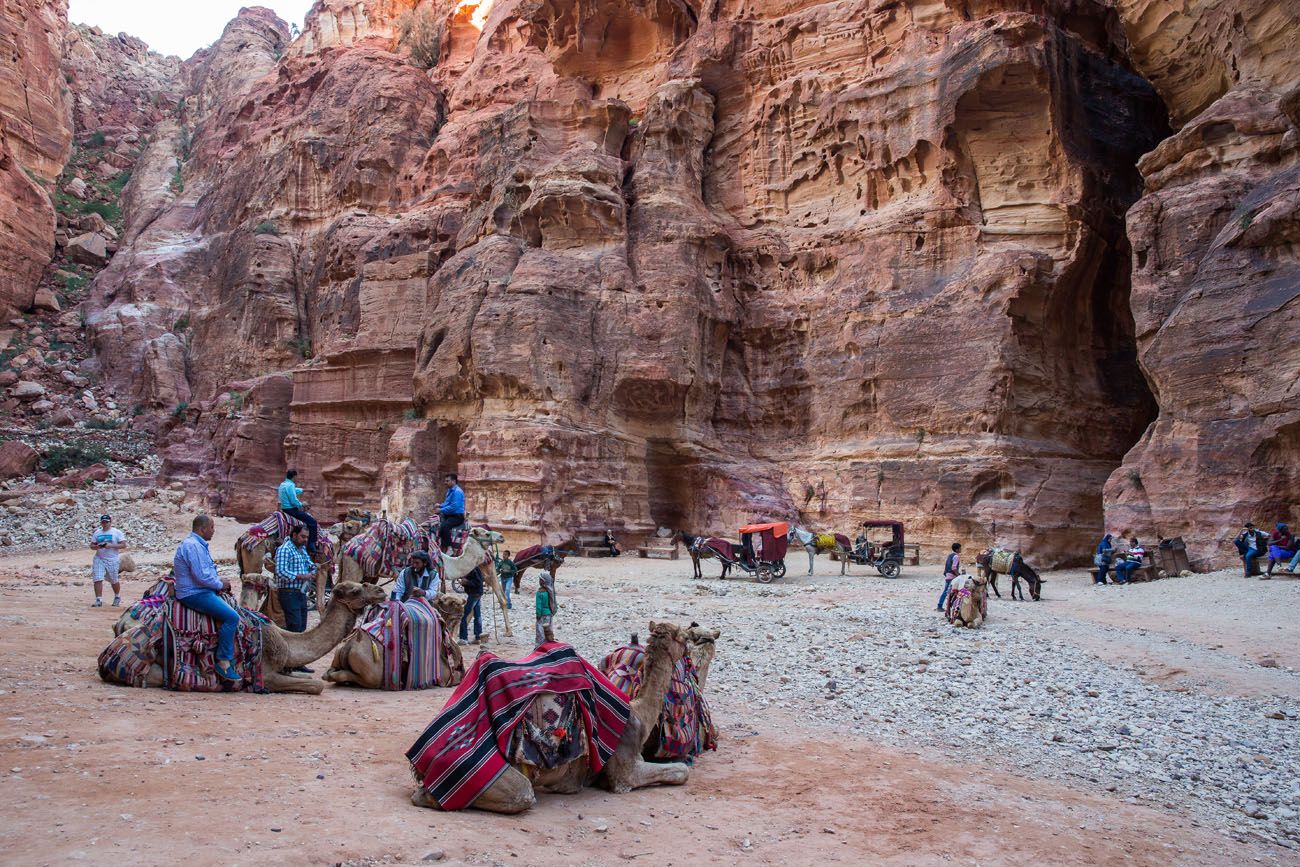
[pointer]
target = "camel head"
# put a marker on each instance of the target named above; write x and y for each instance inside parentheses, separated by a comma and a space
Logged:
(357, 596)
(697, 634)
(666, 638)
(486, 537)
(450, 608)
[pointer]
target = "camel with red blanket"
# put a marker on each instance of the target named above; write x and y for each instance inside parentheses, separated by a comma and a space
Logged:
(361, 661)
(505, 725)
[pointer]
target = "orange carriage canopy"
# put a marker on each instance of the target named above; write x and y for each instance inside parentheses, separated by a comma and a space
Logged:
(779, 528)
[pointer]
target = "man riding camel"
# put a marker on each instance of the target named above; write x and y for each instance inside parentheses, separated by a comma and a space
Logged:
(290, 504)
(197, 586)
(451, 514)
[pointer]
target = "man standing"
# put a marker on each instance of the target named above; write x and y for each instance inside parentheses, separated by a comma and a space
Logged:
(197, 584)
(951, 567)
(451, 514)
(473, 584)
(291, 505)
(417, 579)
(107, 544)
(293, 569)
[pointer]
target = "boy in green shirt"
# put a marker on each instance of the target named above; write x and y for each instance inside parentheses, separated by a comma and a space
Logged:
(546, 607)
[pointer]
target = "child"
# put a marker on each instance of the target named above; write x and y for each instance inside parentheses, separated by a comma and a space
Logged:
(546, 607)
(950, 569)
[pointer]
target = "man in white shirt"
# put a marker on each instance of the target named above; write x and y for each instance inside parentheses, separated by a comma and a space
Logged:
(107, 544)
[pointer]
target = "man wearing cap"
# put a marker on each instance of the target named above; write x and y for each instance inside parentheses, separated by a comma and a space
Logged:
(417, 579)
(107, 542)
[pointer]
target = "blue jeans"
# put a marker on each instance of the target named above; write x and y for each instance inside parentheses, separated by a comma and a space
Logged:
(1295, 562)
(1102, 570)
(294, 604)
(1124, 570)
(947, 582)
(1249, 559)
(472, 604)
(209, 603)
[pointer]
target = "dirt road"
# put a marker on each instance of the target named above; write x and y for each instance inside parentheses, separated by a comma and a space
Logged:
(97, 773)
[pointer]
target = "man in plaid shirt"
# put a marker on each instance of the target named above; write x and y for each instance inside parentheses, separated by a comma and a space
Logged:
(293, 569)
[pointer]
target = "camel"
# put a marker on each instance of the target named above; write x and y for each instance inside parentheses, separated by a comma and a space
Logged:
(255, 555)
(701, 645)
(968, 601)
(821, 543)
(356, 662)
(474, 555)
(512, 792)
(283, 651)
(696, 547)
(385, 535)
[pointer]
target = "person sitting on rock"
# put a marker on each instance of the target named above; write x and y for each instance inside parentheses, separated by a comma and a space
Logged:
(1250, 542)
(417, 580)
(197, 585)
(614, 550)
(1281, 547)
(1129, 562)
(107, 543)
(288, 493)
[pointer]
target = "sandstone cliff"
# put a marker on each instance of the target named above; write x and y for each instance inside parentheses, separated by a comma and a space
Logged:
(1217, 274)
(651, 264)
(35, 137)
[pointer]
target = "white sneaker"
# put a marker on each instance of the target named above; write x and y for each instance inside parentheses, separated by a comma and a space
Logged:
(99, 603)
(117, 601)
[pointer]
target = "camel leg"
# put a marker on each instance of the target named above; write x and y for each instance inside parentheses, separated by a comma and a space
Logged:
(639, 774)
(494, 581)
(321, 577)
(276, 682)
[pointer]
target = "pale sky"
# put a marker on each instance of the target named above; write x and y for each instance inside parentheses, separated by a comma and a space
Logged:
(171, 27)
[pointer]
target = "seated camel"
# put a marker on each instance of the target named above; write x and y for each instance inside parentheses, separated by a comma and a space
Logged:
(283, 651)
(359, 662)
(968, 601)
(255, 550)
(515, 788)
(701, 644)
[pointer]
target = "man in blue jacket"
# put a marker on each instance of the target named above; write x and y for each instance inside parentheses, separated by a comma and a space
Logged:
(451, 514)
(290, 504)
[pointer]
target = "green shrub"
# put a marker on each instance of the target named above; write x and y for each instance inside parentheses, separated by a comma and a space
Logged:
(266, 227)
(180, 409)
(96, 140)
(73, 455)
(103, 424)
(178, 183)
(109, 211)
(181, 324)
(421, 33)
(119, 181)
(302, 346)
(411, 414)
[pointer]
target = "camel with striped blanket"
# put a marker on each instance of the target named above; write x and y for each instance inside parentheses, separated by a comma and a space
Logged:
(359, 661)
(255, 550)
(968, 601)
(380, 550)
(513, 792)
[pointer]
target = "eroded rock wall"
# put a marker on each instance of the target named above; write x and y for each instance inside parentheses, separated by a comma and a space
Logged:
(1216, 275)
(640, 264)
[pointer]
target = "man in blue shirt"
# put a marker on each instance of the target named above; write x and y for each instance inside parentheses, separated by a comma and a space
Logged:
(291, 505)
(417, 579)
(451, 514)
(293, 569)
(197, 585)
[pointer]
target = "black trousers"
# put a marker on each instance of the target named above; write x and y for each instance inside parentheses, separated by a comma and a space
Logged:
(446, 524)
(312, 527)
(294, 604)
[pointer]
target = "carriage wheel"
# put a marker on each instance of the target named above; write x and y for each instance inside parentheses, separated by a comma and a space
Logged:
(764, 574)
(889, 568)
(779, 570)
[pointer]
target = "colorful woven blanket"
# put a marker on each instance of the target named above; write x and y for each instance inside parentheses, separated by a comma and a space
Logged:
(414, 645)
(189, 645)
(276, 526)
(382, 548)
(463, 751)
(685, 725)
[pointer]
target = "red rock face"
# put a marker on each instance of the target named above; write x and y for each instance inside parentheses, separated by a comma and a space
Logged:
(639, 265)
(1216, 276)
(35, 137)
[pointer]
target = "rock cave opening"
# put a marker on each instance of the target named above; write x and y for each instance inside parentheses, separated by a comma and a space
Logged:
(670, 476)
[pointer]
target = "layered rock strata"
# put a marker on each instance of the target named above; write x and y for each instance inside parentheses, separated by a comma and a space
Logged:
(1216, 276)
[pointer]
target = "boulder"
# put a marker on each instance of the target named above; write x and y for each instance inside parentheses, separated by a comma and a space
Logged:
(82, 477)
(17, 459)
(63, 418)
(41, 407)
(106, 170)
(28, 390)
(77, 187)
(46, 300)
(88, 249)
(93, 222)
(8, 378)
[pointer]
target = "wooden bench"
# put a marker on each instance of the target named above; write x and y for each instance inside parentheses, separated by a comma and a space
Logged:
(592, 544)
(1146, 572)
(911, 554)
(658, 549)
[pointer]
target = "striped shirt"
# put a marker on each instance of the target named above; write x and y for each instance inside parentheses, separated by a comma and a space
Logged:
(291, 563)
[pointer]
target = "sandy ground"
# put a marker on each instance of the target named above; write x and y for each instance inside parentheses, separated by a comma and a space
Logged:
(99, 773)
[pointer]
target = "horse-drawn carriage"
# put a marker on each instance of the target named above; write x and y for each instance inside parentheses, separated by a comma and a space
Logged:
(886, 555)
(761, 551)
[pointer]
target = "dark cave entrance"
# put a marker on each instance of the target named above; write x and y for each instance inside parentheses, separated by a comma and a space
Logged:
(671, 485)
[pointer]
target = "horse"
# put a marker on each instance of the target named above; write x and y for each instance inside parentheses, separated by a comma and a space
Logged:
(1015, 566)
(543, 557)
(821, 543)
(698, 548)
